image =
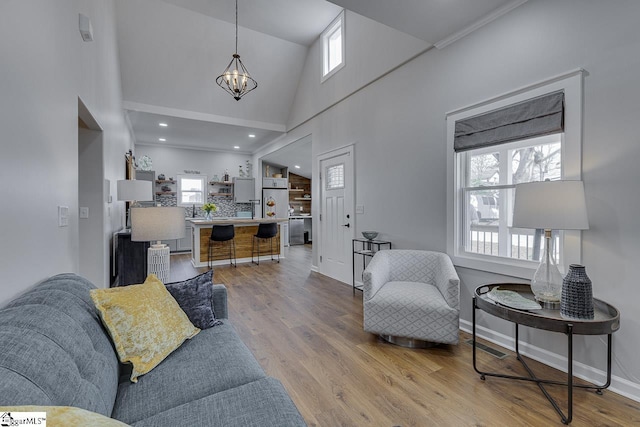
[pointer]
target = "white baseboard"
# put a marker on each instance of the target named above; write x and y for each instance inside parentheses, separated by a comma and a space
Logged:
(619, 385)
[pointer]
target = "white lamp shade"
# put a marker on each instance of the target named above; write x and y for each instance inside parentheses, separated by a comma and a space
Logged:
(550, 205)
(132, 189)
(166, 223)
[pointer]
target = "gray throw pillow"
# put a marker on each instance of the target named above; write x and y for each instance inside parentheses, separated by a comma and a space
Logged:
(194, 297)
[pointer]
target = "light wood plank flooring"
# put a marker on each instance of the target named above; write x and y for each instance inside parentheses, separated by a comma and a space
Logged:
(306, 330)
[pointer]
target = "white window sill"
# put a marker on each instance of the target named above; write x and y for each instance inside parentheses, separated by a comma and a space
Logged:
(508, 267)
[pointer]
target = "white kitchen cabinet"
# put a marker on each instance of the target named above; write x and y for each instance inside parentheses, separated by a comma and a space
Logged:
(184, 244)
(274, 182)
(244, 190)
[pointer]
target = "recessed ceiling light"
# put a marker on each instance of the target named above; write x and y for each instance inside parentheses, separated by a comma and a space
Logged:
(296, 166)
(164, 125)
(237, 147)
(251, 135)
(162, 139)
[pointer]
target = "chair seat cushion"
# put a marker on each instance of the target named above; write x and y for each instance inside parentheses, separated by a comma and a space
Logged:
(411, 309)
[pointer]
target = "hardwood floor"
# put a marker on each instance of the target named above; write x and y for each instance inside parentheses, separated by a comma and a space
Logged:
(306, 330)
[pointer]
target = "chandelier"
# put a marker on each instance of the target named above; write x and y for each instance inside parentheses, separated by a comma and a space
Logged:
(235, 79)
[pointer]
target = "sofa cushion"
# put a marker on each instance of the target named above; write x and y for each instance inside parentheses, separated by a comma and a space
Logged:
(55, 350)
(260, 403)
(194, 297)
(144, 321)
(64, 416)
(214, 360)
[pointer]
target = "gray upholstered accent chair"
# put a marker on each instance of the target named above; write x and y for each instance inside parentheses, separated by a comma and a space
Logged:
(412, 295)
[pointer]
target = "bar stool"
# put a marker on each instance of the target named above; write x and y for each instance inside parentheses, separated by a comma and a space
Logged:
(265, 231)
(223, 233)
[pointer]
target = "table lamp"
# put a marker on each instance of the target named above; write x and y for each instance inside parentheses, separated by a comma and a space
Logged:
(134, 191)
(157, 223)
(549, 205)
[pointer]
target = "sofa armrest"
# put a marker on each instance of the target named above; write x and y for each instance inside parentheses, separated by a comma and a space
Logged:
(219, 302)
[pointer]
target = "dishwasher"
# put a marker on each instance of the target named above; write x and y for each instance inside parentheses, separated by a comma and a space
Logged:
(296, 231)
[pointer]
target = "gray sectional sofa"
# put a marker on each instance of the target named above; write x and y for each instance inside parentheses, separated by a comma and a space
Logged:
(54, 351)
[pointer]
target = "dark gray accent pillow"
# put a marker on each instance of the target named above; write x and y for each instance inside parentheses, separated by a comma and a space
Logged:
(194, 297)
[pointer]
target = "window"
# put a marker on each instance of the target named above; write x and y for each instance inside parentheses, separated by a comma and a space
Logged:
(192, 190)
(333, 58)
(484, 169)
(335, 177)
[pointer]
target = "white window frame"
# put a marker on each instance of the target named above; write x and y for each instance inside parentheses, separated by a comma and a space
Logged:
(202, 178)
(337, 24)
(571, 242)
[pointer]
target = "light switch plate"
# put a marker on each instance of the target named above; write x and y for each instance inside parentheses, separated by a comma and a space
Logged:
(359, 209)
(63, 216)
(84, 212)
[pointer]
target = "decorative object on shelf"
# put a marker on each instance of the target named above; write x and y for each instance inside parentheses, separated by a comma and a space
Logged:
(226, 175)
(170, 178)
(209, 209)
(165, 188)
(214, 179)
(235, 79)
(370, 235)
(145, 163)
(248, 169)
(577, 294)
(161, 177)
(158, 223)
(241, 172)
(549, 205)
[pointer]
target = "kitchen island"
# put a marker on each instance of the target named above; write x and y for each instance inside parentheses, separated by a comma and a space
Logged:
(245, 229)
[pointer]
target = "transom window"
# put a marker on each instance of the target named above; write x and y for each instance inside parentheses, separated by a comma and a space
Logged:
(192, 190)
(531, 135)
(333, 42)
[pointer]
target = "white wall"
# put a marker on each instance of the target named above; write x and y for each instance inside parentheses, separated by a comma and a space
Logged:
(173, 161)
(372, 49)
(171, 57)
(45, 68)
(399, 134)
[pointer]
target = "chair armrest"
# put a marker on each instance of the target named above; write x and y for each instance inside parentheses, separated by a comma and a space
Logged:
(375, 275)
(447, 281)
(219, 302)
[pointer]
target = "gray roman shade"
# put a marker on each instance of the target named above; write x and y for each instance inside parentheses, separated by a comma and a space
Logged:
(534, 117)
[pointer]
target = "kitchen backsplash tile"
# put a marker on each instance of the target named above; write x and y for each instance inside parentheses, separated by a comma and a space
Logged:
(226, 206)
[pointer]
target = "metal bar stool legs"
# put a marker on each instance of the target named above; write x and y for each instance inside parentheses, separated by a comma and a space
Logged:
(223, 233)
(265, 231)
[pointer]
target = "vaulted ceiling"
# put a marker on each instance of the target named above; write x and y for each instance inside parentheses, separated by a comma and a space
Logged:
(172, 50)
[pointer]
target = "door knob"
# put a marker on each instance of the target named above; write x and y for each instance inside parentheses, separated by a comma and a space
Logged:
(346, 225)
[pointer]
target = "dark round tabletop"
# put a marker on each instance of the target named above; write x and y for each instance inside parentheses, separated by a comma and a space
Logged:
(606, 318)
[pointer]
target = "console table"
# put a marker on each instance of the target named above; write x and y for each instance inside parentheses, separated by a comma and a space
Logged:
(605, 322)
(131, 259)
(367, 248)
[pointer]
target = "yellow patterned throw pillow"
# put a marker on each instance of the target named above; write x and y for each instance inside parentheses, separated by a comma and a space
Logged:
(145, 322)
(56, 416)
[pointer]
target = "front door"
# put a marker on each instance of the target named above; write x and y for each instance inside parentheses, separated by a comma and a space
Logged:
(336, 221)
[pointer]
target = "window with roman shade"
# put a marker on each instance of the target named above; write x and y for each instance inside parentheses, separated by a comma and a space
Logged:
(496, 145)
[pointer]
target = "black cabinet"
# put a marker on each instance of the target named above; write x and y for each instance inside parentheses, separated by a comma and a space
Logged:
(131, 260)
